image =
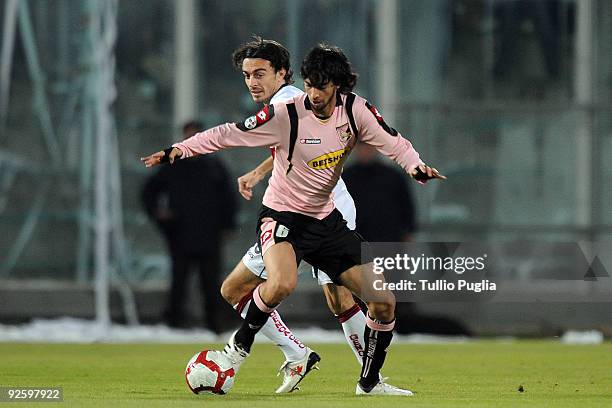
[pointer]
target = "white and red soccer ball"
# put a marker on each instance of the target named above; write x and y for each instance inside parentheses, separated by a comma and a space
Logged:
(209, 371)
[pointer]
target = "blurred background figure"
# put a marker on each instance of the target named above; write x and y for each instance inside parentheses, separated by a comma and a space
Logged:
(194, 205)
(512, 16)
(375, 185)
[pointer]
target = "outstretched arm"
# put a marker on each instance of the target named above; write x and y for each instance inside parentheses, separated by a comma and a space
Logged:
(374, 131)
(263, 129)
(249, 180)
(163, 156)
(423, 172)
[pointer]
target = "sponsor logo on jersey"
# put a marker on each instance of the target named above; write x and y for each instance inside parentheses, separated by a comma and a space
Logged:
(328, 160)
(262, 116)
(310, 141)
(344, 133)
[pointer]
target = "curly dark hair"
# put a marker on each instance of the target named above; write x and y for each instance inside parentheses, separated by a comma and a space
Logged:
(325, 63)
(269, 50)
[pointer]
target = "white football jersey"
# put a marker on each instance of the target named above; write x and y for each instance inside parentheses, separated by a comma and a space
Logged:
(285, 93)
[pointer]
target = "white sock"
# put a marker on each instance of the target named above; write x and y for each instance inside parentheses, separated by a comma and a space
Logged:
(276, 330)
(353, 322)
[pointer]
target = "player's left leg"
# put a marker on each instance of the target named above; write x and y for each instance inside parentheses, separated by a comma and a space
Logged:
(342, 304)
(380, 321)
(278, 241)
(281, 265)
(339, 255)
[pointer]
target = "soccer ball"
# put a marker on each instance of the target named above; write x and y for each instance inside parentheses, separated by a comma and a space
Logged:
(209, 371)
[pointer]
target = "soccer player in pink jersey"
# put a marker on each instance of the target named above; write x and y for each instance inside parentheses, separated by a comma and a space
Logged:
(267, 74)
(312, 135)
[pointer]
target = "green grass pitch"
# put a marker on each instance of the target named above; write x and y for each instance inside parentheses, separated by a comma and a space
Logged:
(474, 374)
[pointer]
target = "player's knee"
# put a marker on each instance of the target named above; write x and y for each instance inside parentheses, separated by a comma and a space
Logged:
(228, 293)
(282, 288)
(335, 308)
(346, 300)
(285, 289)
(339, 299)
(384, 309)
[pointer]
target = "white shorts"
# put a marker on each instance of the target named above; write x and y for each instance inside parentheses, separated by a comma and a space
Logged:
(254, 262)
(344, 203)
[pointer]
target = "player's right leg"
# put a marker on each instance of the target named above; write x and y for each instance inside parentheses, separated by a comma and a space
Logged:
(237, 289)
(281, 267)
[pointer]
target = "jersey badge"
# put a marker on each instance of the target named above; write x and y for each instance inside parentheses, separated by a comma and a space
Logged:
(261, 117)
(282, 231)
(344, 133)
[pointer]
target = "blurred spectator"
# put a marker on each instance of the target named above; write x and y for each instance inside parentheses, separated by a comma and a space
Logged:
(193, 202)
(375, 185)
(511, 14)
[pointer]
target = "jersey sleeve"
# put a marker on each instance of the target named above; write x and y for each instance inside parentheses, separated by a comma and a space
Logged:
(374, 131)
(264, 129)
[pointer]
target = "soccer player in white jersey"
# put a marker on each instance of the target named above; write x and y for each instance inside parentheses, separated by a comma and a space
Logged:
(298, 219)
(267, 74)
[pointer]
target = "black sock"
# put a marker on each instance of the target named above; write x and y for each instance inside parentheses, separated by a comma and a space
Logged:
(253, 322)
(376, 343)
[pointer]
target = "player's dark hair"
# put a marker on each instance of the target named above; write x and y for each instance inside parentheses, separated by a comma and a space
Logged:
(193, 124)
(269, 50)
(325, 63)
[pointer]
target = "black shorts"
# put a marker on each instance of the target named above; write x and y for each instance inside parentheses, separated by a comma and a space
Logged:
(327, 244)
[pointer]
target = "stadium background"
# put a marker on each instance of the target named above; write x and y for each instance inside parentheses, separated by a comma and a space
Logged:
(514, 110)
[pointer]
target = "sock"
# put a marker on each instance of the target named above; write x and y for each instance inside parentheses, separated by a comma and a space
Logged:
(276, 330)
(353, 322)
(377, 337)
(254, 320)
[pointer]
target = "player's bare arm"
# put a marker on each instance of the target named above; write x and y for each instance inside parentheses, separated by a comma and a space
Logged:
(249, 180)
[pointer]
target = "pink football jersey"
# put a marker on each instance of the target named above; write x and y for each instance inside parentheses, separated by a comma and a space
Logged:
(303, 182)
